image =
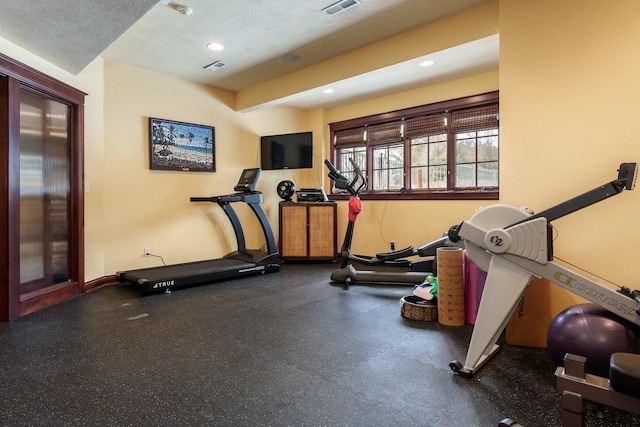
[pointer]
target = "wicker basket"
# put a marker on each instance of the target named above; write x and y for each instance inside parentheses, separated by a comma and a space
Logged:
(416, 308)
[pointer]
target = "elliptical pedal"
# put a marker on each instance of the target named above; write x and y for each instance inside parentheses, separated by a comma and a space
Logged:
(402, 253)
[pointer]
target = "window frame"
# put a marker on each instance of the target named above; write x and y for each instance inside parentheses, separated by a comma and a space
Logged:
(379, 120)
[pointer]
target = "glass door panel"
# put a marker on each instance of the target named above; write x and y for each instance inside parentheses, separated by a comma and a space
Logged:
(44, 192)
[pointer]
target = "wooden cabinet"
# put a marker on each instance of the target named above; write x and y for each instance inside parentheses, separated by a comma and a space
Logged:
(308, 231)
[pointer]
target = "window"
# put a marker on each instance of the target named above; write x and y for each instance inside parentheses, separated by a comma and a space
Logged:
(352, 145)
(446, 150)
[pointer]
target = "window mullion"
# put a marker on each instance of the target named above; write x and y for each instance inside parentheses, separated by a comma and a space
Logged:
(451, 154)
(370, 167)
(406, 170)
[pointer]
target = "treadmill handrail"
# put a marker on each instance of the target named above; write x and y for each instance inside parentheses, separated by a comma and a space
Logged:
(247, 197)
(253, 200)
(212, 199)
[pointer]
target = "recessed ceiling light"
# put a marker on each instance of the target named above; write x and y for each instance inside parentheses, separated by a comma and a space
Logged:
(426, 63)
(184, 10)
(215, 46)
(328, 90)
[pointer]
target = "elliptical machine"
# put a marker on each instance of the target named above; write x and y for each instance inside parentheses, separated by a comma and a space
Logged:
(388, 268)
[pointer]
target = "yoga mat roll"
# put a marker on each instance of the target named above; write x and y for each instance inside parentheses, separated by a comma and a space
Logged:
(474, 280)
(450, 286)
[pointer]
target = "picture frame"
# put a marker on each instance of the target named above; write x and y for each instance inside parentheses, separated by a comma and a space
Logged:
(180, 146)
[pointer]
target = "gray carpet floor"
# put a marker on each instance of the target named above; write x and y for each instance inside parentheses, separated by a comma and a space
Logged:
(283, 349)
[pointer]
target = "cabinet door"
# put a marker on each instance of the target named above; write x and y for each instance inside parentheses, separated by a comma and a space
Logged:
(321, 231)
(293, 238)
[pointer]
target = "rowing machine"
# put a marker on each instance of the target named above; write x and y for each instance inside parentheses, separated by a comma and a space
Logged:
(513, 245)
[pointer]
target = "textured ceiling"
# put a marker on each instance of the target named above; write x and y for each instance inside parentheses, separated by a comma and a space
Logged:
(261, 38)
(68, 33)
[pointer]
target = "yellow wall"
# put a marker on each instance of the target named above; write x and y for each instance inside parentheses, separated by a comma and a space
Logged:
(150, 208)
(147, 208)
(95, 171)
(569, 87)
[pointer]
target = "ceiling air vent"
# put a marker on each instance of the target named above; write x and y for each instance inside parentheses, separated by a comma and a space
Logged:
(341, 6)
(215, 66)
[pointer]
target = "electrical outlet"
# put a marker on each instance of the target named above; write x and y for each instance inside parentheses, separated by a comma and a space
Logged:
(147, 251)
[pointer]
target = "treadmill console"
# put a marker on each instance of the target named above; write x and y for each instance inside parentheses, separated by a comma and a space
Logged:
(248, 180)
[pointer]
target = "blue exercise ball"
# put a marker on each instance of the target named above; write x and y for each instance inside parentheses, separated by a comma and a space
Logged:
(593, 332)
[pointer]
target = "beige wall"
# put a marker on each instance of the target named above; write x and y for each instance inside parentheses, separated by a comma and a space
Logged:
(569, 87)
(95, 172)
(149, 208)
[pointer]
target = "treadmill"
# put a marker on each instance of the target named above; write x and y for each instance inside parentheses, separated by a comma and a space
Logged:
(239, 263)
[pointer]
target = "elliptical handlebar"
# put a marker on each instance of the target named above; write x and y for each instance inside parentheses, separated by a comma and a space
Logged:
(355, 186)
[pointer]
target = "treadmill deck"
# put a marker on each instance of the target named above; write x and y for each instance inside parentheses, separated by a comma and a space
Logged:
(164, 277)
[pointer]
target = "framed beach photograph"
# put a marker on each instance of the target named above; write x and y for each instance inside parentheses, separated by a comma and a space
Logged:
(181, 146)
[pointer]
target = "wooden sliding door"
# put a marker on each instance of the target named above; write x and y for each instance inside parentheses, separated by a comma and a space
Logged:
(41, 163)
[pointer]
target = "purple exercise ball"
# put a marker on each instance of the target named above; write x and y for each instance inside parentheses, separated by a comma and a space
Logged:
(593, 332)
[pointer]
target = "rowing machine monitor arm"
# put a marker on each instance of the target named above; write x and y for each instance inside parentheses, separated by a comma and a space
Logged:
(513, 245)
(627, 174)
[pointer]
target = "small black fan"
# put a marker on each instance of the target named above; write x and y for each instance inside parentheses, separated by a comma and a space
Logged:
(286, 189)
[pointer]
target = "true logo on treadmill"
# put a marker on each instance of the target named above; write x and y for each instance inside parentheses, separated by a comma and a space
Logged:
(164, 284)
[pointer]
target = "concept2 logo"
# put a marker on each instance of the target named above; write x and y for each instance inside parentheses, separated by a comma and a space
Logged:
(496, 240)
(591, 293)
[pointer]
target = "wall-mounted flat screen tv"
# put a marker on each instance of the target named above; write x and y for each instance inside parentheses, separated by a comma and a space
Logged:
(287, 151)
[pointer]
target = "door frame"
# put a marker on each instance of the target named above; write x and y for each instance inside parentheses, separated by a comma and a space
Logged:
(15, 76)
